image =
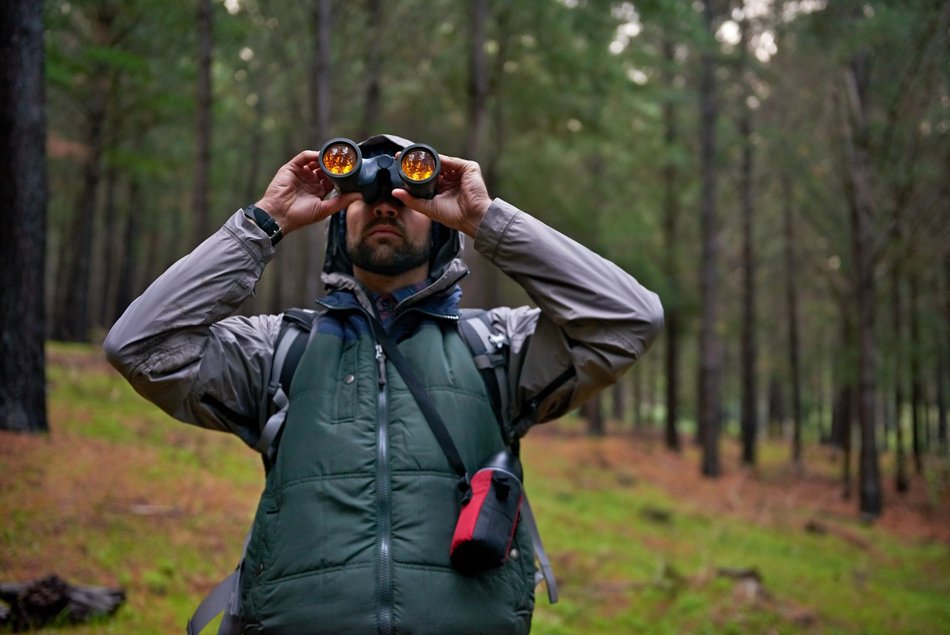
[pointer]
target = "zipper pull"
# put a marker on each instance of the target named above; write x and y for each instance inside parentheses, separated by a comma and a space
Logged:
(381, 362)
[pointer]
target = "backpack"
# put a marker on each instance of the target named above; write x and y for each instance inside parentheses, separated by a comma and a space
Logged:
(489, 350)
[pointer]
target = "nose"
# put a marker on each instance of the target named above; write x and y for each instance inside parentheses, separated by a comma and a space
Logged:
(385, 209)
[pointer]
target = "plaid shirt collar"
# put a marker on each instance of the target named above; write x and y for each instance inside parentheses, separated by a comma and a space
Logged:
(386, 303)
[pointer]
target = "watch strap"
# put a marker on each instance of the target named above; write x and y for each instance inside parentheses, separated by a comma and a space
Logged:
(263, 220)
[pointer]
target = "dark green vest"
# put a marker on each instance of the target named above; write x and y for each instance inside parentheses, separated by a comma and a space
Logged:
(353, 529)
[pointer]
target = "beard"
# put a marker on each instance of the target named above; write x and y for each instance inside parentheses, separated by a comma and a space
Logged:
(388, 259)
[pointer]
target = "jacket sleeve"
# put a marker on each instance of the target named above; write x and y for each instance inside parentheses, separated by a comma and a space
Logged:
(592, 321)
(177, 346)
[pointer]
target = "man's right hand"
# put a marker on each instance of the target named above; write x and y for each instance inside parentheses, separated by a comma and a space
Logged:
(295, 196)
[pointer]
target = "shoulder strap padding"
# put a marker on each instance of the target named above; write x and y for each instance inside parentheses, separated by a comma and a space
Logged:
(489, 350)
(296, 325)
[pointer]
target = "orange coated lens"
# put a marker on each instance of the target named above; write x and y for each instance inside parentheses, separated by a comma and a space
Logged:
(418, 165)
(339, 159)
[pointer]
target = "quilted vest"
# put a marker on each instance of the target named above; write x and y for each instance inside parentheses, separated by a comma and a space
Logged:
(353, 528)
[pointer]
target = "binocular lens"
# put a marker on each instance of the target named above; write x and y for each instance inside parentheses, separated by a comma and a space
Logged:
(418, 165)
(339, 159)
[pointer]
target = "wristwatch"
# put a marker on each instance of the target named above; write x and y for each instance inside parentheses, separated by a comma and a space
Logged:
(265, 222)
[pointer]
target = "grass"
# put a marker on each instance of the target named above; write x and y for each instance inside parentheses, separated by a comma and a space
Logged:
(120, 495)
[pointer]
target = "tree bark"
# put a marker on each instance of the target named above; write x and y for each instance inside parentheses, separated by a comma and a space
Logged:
(748, 421)
(710, 363)
(23, 189)
(791, 298)
(481, 289)
(593, 412)
(125, 291)
(374, 64)
(618, 399)
(200, 212)
(72, 307)
(917, 418)
(637, 397)
(321, 90)
(859, 171)
(671, 213)
(943, 369)
(108, 273)
(900, 458)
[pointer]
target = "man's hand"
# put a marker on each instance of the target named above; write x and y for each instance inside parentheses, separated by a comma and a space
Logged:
(294, 197)
(461, 200)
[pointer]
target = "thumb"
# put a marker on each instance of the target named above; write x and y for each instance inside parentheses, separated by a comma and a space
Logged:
(421, 205)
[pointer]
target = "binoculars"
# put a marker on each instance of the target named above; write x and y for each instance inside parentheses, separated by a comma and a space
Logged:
(375, 177)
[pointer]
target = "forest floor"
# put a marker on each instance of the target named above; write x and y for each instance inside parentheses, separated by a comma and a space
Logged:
(119, 495)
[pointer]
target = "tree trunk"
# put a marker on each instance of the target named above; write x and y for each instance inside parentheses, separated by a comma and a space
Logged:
(109, 242)
(846, 428)
(859, 172)
(943, 369)
(638, 398)
(710, 363)
(72, 306)
(595, 416)
(776, 414)
(671, 212)
(916, 377)
(200, 206)
(125, 291)
(495, 150)
(618, 400)
(374, 65)
(791, 297)
(900, 459)
(23, 189)
(748, 423)
(481, 288)
(321, 86)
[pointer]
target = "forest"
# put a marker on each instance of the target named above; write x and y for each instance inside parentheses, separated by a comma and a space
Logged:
(777, 170)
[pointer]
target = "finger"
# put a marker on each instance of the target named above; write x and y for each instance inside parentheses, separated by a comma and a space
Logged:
(421, 205)
(337, 203)
(305, 157)
(452, 163)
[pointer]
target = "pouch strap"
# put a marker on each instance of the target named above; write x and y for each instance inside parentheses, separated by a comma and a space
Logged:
(216, 602)
(223, 598)
(546, 573)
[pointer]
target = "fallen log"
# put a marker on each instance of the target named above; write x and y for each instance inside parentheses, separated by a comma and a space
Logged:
(52, 600)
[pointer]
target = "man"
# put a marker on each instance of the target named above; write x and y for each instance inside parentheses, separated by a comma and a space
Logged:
(353, 529)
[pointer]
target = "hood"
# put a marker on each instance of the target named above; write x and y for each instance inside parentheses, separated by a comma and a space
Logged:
(446, 242)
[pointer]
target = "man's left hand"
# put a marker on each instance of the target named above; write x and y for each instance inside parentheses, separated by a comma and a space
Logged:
(461, 198)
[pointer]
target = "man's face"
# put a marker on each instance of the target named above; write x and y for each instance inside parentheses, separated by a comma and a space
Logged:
(387, 238)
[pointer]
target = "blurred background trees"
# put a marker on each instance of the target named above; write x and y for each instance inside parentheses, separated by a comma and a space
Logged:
(776, 169)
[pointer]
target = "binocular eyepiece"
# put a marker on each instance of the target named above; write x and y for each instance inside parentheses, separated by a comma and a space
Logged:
(375, 177)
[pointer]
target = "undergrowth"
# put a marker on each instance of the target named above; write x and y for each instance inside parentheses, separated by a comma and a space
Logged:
(120, 495)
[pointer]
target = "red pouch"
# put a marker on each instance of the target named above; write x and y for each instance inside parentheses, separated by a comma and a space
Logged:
(489, 516)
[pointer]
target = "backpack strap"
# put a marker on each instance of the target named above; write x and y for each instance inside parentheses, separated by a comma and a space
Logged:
(296, 327)
(224, 597)
(490, 353)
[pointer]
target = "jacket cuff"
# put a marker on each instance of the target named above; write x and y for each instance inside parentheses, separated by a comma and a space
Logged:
(252, 237)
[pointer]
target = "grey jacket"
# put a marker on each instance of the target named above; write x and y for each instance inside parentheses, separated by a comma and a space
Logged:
(178, 347)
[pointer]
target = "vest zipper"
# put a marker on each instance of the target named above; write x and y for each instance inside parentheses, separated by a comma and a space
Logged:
(384, 586)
